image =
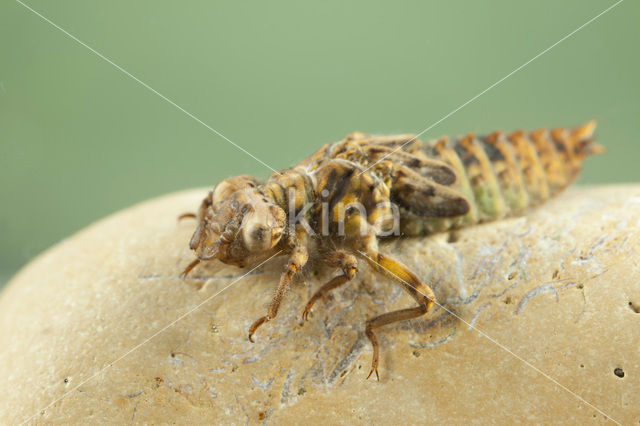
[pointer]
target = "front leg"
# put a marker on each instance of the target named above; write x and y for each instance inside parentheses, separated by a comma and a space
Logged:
(297, 260)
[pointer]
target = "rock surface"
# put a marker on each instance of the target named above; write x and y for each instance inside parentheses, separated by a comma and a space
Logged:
(544, 322)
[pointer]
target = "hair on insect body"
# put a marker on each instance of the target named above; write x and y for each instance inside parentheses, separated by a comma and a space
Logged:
(338, 203)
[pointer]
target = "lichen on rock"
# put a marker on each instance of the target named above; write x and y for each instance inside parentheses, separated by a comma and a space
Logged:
(539, 322)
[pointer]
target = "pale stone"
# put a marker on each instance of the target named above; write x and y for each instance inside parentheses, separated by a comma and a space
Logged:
(104, 319)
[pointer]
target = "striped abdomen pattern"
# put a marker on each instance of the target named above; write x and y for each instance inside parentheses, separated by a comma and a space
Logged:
(504, 174)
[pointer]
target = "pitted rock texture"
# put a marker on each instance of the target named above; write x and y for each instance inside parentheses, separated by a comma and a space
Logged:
(540, 322)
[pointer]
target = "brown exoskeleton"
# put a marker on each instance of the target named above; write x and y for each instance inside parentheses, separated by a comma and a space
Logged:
(350, 193)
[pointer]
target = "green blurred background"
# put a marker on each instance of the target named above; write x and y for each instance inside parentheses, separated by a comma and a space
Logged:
(79, 139)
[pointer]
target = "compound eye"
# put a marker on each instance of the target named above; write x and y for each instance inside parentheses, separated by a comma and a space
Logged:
(259, 233)
(257, 237)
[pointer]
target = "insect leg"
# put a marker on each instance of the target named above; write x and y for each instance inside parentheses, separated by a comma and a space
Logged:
(206, 203)
(187, 215)
(349, 266)
(298, 259)
(421, 293)
(189, 268)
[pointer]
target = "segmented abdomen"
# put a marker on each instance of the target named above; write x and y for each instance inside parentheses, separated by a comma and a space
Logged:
(503, 174)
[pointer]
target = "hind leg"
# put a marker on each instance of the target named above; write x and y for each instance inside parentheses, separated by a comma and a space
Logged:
(388, 318)
(420, 292)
